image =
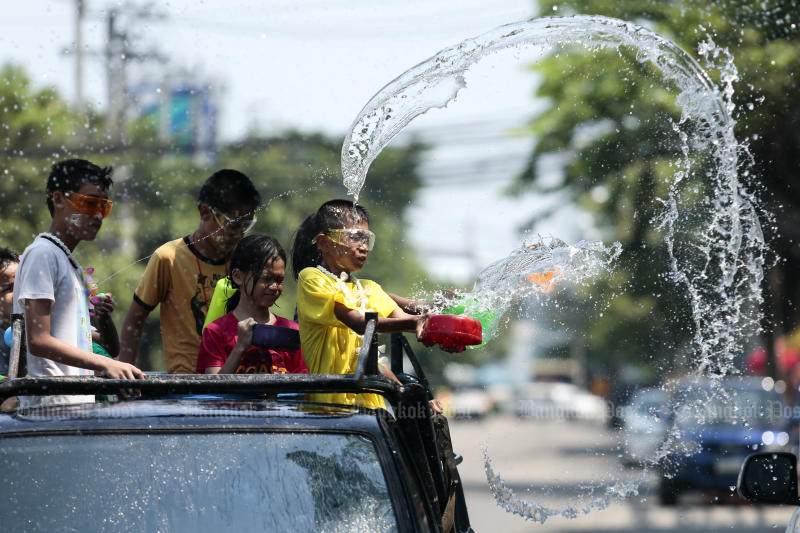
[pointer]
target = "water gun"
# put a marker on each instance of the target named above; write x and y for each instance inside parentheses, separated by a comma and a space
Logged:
(489, 319)
(275, 337)
(452, 331)
(486, 318)
(222, 292)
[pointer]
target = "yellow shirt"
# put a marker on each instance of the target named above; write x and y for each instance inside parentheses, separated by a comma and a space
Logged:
(182, 281)
(329, 346)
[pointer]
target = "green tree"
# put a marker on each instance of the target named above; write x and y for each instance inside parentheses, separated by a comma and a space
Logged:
(295, 174)
(156, 186)
(29, 119)
(611, 125)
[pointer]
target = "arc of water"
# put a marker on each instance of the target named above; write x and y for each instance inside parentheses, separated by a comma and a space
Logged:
(730, 246)
(436, 81)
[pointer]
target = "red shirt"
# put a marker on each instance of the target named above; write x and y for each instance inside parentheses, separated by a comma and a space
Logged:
(220, 337)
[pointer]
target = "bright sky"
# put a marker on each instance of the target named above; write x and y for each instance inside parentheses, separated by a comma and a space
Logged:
(311, 66)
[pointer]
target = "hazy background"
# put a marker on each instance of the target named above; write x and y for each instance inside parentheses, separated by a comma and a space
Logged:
(310, 67)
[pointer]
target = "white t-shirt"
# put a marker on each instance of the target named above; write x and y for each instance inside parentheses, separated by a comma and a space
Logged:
(46, 273)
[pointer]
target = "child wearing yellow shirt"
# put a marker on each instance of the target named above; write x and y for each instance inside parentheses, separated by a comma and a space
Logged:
(329, 247)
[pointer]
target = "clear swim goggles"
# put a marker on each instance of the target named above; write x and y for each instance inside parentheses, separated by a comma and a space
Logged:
(352, 237)
(242, 223)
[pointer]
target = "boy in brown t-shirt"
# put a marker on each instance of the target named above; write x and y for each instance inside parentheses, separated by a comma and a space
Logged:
(181, 274)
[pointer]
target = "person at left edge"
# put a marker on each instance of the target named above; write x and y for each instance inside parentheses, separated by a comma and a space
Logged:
(9, 261)
(51, 287)
(181, 274)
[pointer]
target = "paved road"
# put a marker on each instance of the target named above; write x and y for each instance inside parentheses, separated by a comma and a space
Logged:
(549, 462)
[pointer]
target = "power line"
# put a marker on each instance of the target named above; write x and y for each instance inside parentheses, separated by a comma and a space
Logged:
(377, 27)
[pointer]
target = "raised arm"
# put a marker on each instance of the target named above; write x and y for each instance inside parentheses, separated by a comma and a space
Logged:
(411, 307)
(399, 320)
(418, 307)
(243, 342)
(42, 344)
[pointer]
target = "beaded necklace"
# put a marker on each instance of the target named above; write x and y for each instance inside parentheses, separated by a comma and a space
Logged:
(201, 278)
(355, 298)
(58, 242)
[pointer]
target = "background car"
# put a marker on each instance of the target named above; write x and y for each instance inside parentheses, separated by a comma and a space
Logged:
(558, 400)
(468, 403)
(719, 423)
(644, 421)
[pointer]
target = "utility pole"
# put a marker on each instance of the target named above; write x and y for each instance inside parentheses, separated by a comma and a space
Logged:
(80, 102)
(118, 53)
(113, 68)
(78, 50)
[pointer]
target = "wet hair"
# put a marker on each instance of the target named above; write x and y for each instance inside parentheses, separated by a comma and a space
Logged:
(228, 189)
(71, 174)
(7, 257)
(333, 214)
(251, 255)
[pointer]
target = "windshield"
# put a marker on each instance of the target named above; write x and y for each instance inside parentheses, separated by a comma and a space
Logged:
(194, 482)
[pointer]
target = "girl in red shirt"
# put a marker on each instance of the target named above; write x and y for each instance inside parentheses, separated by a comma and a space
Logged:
(257, 269)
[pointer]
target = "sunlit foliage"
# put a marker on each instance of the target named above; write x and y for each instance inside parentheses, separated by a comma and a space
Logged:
(609, 122)
(156, 185)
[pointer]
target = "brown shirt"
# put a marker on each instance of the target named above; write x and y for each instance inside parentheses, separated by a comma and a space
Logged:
(182, 281)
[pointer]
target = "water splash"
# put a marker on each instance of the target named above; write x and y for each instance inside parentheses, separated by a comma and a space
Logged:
(716, 252)
(434, 83)
(532, 270)
(720, 265)
(599, 497)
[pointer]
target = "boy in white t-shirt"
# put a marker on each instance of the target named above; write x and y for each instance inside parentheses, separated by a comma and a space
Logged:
(51, 287)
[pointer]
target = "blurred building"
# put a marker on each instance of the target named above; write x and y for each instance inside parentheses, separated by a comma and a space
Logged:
(184, 112)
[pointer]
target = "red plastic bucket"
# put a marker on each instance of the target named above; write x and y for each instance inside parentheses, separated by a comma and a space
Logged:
(452, 331)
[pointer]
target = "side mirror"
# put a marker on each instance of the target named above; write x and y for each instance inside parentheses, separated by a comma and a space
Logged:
(769, 478)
